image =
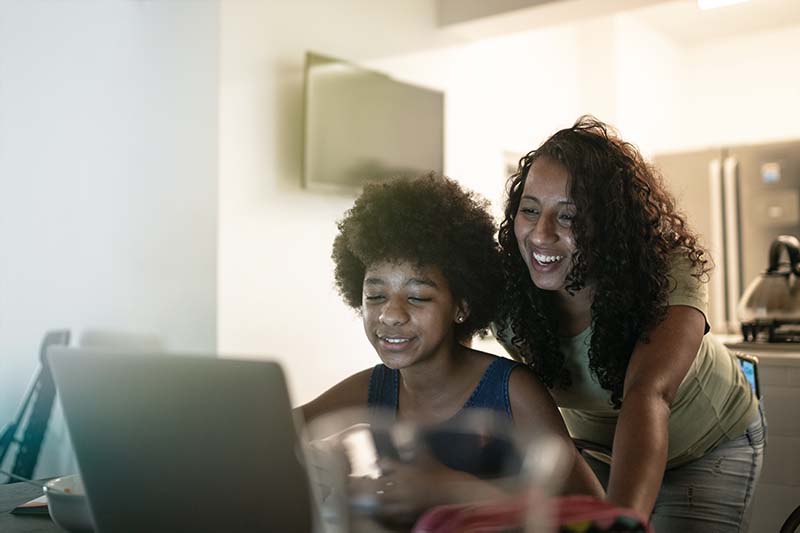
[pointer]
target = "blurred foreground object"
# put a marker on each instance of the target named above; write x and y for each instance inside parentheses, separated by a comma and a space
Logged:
(371, 473)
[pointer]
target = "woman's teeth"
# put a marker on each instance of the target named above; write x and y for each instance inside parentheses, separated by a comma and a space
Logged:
(547, 259)
(394, 340)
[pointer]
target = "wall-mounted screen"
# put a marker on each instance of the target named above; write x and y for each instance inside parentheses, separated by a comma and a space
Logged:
(362, 125)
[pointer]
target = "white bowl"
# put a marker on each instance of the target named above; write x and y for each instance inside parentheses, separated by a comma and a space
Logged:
(69, 508)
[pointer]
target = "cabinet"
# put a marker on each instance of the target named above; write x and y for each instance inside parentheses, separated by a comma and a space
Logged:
(778, 491)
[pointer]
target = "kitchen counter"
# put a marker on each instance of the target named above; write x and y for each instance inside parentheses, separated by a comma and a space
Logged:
(787, 352)
(778, 490)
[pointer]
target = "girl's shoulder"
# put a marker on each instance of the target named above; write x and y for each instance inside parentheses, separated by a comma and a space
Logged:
(350, 392)
(514, 371)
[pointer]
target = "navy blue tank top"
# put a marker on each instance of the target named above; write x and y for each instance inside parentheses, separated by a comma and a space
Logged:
(474, 453)
(491, 392)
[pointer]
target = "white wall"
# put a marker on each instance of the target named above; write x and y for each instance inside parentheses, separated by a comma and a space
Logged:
(651, 86)
(735, 90)
(108, 183)
(743, 90)
(661, 94)
(502, 94)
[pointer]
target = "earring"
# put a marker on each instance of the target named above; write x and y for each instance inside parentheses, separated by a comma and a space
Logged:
(460, 319)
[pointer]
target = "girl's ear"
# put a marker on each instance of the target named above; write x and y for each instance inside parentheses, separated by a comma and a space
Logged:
(462, 312)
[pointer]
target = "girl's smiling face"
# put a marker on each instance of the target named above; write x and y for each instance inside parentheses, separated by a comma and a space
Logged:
(409, 313)
(543, 224)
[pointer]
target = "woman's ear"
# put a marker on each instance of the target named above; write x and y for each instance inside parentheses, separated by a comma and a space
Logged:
(462, 312)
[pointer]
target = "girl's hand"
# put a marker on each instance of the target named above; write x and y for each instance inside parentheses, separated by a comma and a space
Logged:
(405, 491)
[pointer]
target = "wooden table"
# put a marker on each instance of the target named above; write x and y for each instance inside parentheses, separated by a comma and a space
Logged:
(13, 495)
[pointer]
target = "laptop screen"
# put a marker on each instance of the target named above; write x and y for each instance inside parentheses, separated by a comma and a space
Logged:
(202, 444)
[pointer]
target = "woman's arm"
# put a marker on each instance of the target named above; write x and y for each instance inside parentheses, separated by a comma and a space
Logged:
(533, 407)
(655, 371)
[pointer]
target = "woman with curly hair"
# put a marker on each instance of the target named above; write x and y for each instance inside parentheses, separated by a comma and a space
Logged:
(419, 260)
(606, 303)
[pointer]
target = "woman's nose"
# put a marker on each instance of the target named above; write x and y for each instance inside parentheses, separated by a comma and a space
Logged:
(393, 314)
(544, 232)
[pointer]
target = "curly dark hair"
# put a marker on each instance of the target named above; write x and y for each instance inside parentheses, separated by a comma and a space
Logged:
(430, 221)
(626, 230)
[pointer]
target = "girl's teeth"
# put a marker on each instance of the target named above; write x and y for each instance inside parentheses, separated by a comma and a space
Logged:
(394, 341)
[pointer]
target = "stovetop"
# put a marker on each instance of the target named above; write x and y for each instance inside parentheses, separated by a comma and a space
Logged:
(771, 332)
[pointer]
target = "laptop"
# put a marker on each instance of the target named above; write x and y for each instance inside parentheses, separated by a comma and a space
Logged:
(177, 443)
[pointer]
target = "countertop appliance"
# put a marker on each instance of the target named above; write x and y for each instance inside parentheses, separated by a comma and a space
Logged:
(738, 199)
(770, 307)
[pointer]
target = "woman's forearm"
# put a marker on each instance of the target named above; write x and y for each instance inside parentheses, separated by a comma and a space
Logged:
(640, 452)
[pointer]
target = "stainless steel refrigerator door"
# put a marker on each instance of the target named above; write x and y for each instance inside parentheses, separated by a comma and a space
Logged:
(695, 178)
(768, 179)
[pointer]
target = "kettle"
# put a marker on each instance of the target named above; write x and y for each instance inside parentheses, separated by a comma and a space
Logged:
(774, 296)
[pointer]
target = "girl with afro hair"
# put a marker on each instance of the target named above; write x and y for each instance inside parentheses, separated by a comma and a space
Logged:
(605, 300)
(419, 260)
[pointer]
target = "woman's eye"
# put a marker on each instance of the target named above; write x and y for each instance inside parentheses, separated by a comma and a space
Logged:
(373, 297)
(417, 299)
(566, 219)
(530, 211)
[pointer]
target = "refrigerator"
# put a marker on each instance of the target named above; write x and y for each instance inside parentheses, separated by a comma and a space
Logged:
(737, 199)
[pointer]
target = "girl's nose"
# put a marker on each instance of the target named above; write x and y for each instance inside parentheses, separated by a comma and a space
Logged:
(393, 314)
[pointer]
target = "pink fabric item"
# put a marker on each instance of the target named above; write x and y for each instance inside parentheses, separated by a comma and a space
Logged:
(473, 518)
(577, 508)
(509, 515)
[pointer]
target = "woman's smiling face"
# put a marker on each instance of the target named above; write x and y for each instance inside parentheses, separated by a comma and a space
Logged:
(409, 312)
(543, 224)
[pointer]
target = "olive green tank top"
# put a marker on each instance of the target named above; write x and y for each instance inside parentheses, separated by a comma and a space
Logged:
(713, 403)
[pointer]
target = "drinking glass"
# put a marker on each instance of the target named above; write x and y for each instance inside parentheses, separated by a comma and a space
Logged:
(372, 472)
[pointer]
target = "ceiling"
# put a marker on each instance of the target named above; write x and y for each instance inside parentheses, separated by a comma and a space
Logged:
(679, 20)
(683, 22)
(454, 12)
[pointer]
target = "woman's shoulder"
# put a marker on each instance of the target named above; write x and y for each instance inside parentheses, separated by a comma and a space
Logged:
(681, 264)
(687, 285)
